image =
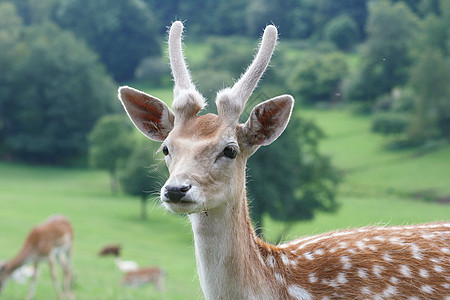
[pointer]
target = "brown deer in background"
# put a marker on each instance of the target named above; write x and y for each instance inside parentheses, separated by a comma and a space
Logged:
(206, 156)
(51, 242)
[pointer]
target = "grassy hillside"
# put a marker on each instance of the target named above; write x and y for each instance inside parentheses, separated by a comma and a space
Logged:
(29, 194)
(378, 187)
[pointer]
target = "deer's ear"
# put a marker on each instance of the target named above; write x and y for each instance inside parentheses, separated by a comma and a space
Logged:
(267, 121)
(149, 114)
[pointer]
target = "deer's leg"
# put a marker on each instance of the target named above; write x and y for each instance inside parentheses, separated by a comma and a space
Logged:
(51, 263)
(33, 281)
(66, 264)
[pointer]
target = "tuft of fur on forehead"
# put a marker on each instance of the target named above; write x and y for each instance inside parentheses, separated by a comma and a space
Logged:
(202, 127)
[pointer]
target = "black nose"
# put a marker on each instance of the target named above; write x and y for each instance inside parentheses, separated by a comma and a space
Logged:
(175, 193)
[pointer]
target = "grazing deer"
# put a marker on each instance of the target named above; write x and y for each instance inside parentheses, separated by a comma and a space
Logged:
(113, 250)
(50, 241)
(206, 157)
(143, 276)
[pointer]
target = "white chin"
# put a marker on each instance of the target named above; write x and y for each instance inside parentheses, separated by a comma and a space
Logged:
(183, 207)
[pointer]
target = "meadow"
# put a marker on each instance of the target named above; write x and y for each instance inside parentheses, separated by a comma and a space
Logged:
(378, 187)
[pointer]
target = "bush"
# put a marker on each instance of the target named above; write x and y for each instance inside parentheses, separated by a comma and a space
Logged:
(390, 123)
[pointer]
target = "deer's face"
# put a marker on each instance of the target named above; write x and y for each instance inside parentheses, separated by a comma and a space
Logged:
(206, 154)
(205, 163)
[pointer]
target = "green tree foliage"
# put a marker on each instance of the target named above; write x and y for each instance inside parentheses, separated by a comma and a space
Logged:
(310, 186)
(318, 77)
(110, 142)
(428, 114)
(141, 174)
(342, 31)
(385, 54)
(430, 82)
(121, 32)
(54, 91)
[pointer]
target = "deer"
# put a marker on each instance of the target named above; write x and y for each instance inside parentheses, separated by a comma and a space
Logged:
(146, 275)
(206, 157)
(50, 241)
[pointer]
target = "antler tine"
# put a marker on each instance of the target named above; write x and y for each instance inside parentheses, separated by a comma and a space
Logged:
(247, 83)
(178, 65)
(243, 88)
(187, 100)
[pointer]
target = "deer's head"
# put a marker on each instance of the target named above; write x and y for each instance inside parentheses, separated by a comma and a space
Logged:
(206, 154)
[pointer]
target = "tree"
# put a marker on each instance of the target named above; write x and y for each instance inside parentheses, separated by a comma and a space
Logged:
(309, 187)
(342, 31)
(56, 91)
(121, 32)
(385, 54)
(430, 82)
(110, 142)
(140, 174)
(318, 77)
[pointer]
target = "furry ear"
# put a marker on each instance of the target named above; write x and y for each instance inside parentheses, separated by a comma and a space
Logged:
(149, 114)
(267, 121)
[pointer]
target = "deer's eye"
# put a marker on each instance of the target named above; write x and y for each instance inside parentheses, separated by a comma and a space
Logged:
(165, 150)
(230, 152)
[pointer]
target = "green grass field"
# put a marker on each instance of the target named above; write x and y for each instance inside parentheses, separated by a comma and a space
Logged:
(379, 187)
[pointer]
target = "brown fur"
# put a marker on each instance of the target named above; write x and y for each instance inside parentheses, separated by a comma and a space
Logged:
(110, 250)
(55, 234)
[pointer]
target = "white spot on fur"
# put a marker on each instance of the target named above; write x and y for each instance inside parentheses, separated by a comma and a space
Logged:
(377, 270)
(446, 285)
(308, 256)
(319, 252)
(427, 289)
(373, 247)
(341, 278)
(343, 245)
(299, 293)
(362, 273)
(413, 298)
(396, 240)
(331, 283)
(428, 236)
(361, 245)
(379, 238)
(312, 278)
(390, 291)
(285, 259)
(416, 252)
(346, 263)
(387, 257)
(366, 291)
(334, 249)
(423, 273)
(405, 270)
(445, 250)
(438, 269)
(394, 280)
(279, 278)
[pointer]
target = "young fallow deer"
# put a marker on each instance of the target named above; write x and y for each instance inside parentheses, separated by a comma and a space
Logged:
(50, 241)
(206, 157)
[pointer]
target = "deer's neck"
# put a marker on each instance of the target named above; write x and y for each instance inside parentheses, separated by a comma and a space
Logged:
(229, 259)
(21, 259)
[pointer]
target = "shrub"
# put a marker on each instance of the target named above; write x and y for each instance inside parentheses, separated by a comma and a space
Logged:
(390, 123)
